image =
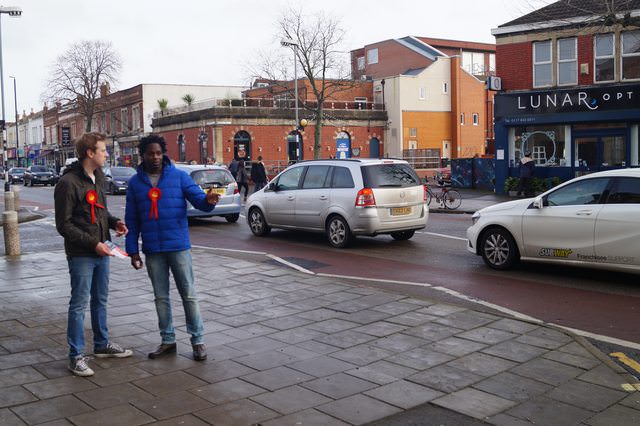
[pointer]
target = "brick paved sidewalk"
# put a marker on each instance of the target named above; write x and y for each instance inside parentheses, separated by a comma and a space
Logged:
(288, 348)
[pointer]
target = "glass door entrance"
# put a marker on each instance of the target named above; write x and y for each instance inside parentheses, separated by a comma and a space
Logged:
(595, 153)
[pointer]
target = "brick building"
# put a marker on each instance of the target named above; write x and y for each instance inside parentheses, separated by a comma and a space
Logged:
(571, 78)
(263, 123)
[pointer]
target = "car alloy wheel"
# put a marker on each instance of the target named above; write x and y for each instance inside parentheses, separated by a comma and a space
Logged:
(257, 223)
(499, 250)
(338, 232)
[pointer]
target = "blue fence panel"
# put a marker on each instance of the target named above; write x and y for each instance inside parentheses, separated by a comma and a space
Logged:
(484, 173)
(462, 173)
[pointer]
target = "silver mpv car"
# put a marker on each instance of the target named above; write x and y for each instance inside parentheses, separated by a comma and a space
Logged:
(342, 198)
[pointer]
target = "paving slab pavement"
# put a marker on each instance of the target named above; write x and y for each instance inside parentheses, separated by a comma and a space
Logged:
(290, 348)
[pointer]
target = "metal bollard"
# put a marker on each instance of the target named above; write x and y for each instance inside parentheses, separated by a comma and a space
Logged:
(9, 205)
(16, 197)
(11, 234)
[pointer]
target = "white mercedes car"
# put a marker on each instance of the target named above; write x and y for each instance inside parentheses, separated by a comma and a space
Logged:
(592, 220)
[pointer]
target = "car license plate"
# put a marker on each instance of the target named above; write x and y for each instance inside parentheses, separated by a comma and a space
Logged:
(400, 211)
(220, 191)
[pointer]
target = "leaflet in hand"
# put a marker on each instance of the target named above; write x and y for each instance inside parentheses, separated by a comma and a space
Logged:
(117, 251)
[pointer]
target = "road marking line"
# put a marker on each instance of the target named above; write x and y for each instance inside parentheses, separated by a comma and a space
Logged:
(290, 264)
(628, 387)
(626, 360)
(442, 236)
(373, 279)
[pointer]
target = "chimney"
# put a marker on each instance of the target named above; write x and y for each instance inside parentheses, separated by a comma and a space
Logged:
(105, 89)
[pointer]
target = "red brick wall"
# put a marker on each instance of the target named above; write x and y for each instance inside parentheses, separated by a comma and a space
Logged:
(585, 56)
(359, 89)
(265, 141)
(514, 64)
(393, 59)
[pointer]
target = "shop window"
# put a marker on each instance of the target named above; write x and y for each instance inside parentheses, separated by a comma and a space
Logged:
(567, 61)
(604, 53)
(546, 144)
(542, 64)
(631, 55)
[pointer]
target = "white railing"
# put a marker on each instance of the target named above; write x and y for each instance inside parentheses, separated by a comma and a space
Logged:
(265, 103)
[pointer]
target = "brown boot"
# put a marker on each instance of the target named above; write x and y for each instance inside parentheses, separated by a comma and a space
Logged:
(163, 349)
(199, 352)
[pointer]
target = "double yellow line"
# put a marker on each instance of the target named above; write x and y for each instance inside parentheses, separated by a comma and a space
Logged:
(631, 363)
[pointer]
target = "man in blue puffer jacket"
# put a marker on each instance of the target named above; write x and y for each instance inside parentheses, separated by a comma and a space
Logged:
(157, 210)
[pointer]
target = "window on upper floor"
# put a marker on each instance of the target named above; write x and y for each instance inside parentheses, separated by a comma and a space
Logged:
(445, 88)
(462, 119)
(372, 56)
(604, 58)
(476, 118)
(492, 62)
(413, 132)
(542, 71)
(124, 120)
(567, 61)
(422, 95)
(360, 63)
(135, 118)
(630, 45)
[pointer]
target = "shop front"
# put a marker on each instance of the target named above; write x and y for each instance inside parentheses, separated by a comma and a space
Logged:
(568, 132)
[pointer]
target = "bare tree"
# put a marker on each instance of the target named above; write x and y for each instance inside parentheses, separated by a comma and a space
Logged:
(77, 74)
(321, 61)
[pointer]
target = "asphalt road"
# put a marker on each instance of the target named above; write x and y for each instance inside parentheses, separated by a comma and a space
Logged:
(434, 263)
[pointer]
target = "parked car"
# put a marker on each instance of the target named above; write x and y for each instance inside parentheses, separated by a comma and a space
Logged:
(343, 199)
(117, 179)
(220, 180)
(39, 175)
(16, 174)
(592, 220)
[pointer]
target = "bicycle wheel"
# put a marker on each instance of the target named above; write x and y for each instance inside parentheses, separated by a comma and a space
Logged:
(452, 199)
(429, 196)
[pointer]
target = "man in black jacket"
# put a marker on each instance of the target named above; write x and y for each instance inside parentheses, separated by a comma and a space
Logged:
(258, 174)
(83, 221)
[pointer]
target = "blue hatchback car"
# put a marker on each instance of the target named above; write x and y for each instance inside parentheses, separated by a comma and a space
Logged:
(221, 181)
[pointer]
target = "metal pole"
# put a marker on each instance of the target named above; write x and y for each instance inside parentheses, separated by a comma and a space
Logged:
(295, 76)
(4, 141)
(15, 99)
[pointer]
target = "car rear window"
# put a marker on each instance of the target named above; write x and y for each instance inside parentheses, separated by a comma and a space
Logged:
(208, 178)
(38, 169)
(389, 175)
(123, 171)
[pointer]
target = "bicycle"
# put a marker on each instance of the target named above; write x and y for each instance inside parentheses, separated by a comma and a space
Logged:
(446, 197)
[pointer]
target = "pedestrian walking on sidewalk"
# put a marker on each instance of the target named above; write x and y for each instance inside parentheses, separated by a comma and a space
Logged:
(243, 179)
(258, 174)
(233, 167)
(526, 174)
(156, 210)
(83, 221)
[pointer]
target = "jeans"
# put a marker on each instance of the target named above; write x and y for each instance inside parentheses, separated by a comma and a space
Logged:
(89, 283)
(180, 264)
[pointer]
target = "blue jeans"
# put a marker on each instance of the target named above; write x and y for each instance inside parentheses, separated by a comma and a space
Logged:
(180, 264)
(89, 283)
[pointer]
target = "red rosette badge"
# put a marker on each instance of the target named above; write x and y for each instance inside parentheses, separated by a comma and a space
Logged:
(154, 196)
(92, 199)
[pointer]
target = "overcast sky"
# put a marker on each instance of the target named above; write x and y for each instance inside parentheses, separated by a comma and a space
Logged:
(211, 41)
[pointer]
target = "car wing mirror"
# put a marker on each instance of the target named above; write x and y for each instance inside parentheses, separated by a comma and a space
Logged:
(538, 202)
(272, 187)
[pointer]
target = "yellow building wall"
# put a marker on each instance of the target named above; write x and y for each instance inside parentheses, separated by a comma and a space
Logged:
(432, 128)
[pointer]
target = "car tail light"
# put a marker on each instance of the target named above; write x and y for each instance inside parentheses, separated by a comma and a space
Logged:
(365, 198)
(424, 193)
(235, 188)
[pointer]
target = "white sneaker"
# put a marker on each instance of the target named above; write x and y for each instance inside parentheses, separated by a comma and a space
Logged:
(79, 367)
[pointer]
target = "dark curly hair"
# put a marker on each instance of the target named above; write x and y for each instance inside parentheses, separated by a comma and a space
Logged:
(148, 140)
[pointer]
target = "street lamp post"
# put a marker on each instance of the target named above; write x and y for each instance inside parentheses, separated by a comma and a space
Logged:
(15, 12)
(15, 103)
(294, 46)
